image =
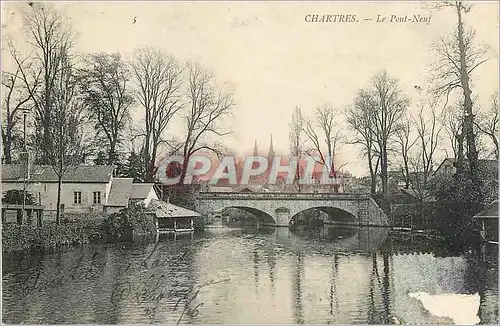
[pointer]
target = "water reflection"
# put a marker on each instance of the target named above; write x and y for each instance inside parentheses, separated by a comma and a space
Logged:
(336, 275)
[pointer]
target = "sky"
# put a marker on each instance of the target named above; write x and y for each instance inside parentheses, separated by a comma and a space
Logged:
(273, 60)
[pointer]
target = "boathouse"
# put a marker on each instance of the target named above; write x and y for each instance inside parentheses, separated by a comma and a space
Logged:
(488, 223)
(170, 218)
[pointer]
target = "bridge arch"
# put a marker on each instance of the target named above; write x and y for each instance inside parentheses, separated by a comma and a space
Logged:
(333, 215)
(260, 215)
(283, 206)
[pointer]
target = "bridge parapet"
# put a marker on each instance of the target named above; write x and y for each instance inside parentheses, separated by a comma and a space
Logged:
(284, 195)
(361, 207)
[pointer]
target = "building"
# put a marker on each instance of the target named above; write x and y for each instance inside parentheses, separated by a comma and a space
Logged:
(124, 192)
(85, 188)
(171, 218)
(487, 220)
(487, 171)
(447, 168)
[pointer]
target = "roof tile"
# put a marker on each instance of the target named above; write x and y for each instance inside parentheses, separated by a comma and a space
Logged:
(45, 173)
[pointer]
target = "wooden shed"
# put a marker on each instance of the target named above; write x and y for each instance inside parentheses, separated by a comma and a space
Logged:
(170, 218)
(488, 223)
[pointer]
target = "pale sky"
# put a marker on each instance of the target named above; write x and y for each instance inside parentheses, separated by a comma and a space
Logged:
(273, 59)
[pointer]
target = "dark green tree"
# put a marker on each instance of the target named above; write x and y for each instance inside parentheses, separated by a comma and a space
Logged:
(15, 196)
(133, 167)
(100, 159)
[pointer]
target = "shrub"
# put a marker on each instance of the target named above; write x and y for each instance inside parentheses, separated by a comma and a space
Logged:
(128, 223)
(50, 235)
(15, 196)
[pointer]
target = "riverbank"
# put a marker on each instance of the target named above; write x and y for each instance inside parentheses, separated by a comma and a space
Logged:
(80, 229)
(50, 235)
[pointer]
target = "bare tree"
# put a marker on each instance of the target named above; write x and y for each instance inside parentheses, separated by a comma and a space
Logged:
(385, 104)
(428, 134)
(51, 38)
(324, 135)
(16, 97)
(417, 183)
(360, 121)
(488, 123)
(296, 142)
(452, 122)
(458, 56)
(158, 78)
(66, 149)
(405, 142)
(104, 83)
(206, 110)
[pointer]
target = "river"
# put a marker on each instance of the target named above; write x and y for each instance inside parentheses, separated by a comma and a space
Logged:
(337, 275)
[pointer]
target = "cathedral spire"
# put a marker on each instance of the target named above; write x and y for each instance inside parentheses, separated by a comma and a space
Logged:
(255, 150)
(270, 155)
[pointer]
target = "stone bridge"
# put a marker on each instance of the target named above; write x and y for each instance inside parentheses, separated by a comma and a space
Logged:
(279, 209)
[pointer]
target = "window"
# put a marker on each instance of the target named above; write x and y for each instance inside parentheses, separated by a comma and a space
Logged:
(77, 197)
(97, 197)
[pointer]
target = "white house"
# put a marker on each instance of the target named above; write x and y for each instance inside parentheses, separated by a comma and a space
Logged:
(124, 192)
(85, 188)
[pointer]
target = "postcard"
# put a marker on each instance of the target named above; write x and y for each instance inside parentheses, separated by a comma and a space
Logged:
(266, 162)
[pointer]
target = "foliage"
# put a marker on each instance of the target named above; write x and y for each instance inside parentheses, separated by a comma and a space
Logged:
(205, 115)
(376, 117)
(127, 223)
(77, 229)
(159, 80)
(107, 98)
(323, 130)
(50, 235)
(15, 196)
(183, 195)
(458, 199)
(487, 124)
(133, 167)
(296, 143)
(100, 159)
(16, 96)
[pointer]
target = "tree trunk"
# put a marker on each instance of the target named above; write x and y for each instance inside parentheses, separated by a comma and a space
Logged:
(147, 156)
(406, 169)
(183, 170)
(373, 176)
(7, 143)
(58, 211)
(496, 147)
(112, 154)
(469, 118)
(373, 186)
(46, 140)
(459, 164)
(150, 173)
(297, 176)
(383, 171)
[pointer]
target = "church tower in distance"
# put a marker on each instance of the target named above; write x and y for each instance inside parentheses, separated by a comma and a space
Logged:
(270, 157)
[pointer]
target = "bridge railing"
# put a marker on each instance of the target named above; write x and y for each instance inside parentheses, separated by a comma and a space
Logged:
(282, 195)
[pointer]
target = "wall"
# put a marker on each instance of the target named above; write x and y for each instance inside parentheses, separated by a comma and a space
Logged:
(151, 195)
(46, 193)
